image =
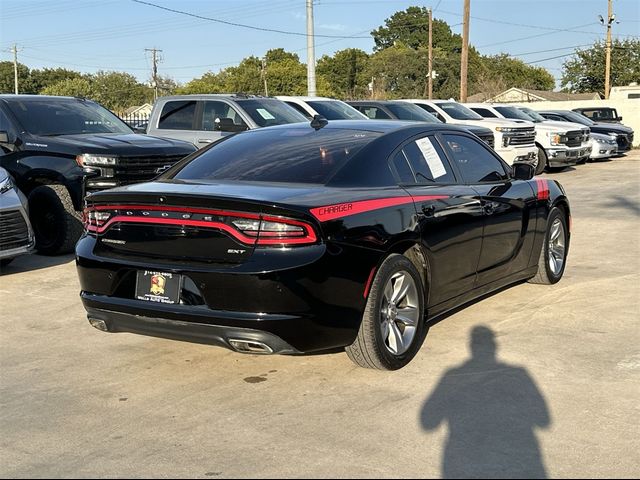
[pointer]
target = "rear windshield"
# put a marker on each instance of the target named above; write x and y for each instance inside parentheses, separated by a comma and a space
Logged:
(267, 112)
(335, 110)
(65, 116)
(278, 155)
(409, 111)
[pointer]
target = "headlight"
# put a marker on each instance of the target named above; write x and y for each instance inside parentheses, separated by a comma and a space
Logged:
(505, 129)
(555, 138)
(613, 134)
(89, 160)
(6, 185)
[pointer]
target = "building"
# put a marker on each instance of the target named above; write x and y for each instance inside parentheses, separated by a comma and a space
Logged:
(525, 95)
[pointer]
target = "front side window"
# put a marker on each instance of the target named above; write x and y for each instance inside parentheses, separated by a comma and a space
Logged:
(409, 111)
(335, 110)
(291, 155)
(178, 115)
(428, 162)
(432, 111)
(475, 162)
(513, 112)
(215, 114)
(66, 116)
(267, 111)
(374, 113)
(458, 111)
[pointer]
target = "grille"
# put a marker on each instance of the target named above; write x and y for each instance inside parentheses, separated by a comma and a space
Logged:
(573, 138)
(488, 139)
(141, 169)
(521, 136)
(623, 141)
(14, 232)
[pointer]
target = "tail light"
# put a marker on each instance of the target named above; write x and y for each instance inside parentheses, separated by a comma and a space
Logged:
(248, 228)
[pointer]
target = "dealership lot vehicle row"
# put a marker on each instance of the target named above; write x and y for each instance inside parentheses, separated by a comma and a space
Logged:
(545, 378)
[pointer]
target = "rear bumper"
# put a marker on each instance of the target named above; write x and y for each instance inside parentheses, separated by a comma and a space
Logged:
(301, 300)
(218, 335)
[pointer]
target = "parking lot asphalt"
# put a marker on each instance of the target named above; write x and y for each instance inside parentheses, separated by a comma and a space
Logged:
(550, 388)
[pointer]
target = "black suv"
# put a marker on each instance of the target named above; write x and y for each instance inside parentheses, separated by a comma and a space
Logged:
(58, 149)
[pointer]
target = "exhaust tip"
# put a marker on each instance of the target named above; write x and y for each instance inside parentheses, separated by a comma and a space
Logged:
(250, 346)
(99, 324)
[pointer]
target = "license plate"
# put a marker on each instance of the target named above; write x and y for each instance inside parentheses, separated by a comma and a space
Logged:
(161, 287)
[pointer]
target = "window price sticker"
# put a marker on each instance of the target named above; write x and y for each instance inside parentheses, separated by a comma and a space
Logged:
(431, 156)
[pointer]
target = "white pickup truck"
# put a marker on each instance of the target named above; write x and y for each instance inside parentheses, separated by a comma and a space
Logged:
(514, 139)
(560, 144)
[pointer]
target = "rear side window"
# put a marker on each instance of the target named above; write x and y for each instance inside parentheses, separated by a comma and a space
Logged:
(290, 155)
(475, 162)
(178, 115)
(427, 162)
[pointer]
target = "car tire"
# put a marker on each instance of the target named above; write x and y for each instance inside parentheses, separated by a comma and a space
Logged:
(393, 325)
(542, 161)
(56, 224)
(553, 255)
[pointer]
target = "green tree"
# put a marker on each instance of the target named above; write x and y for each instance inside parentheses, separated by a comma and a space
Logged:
(398, 72)
(346, 73)
(25, 83)
(585, 71)
(71, 87)
(208, 83)
(118, 90)
(46, 77)
(411, 28)
(506, 72)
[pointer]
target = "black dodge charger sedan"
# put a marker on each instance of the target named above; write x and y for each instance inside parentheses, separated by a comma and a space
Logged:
(308, 237)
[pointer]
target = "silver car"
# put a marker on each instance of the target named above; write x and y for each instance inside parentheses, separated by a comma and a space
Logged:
(16, 234)
(602, 146)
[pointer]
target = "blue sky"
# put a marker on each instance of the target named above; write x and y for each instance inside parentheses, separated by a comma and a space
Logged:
(91, 35)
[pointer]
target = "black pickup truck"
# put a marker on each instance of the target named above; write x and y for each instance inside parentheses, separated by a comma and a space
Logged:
(58, 149)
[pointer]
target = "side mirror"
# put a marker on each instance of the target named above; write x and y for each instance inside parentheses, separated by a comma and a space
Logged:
(4, 137)
(619, 119)
(523, 171)
(225, 124)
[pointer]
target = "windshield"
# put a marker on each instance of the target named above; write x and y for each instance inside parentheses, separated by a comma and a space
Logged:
(65, 116)
(290, 155)
(335, 110)
(513, 112)
(459, 112)
(533, 115)
(409, 111)
(267, 111)
(576, 117)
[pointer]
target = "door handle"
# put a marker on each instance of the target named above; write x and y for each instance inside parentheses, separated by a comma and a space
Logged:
(204, 140)
(429, 209)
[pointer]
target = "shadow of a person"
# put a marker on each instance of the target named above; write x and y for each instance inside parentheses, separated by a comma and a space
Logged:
(491, 409)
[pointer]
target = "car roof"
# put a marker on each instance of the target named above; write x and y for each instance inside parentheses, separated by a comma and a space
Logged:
(27, 97)
(307, 99)
(380, 126)
(204, 96)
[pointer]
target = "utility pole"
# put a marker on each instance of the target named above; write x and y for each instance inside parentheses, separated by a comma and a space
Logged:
(465, 52)
(430, 56)
(15, 67)
(264, 76)
(311, 54)
(607, 69)
(154, 75)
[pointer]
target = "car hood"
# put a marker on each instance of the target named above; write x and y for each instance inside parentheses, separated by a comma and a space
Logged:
(610, 127)
(563, 126)
(494, 122)
(113, 144)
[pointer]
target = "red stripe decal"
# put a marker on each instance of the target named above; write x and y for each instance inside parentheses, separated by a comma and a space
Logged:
(543, 189)
(339, 210)
(368, 285)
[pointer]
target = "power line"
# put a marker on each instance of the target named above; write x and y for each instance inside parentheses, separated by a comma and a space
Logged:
(571, 30)
(235, 24)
